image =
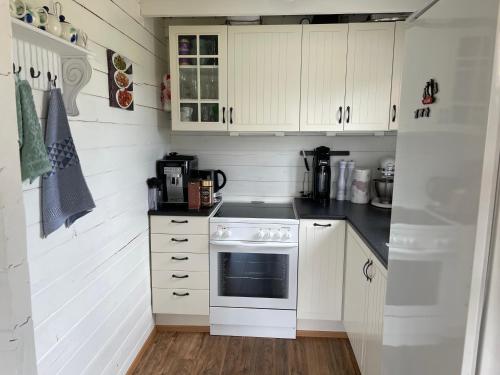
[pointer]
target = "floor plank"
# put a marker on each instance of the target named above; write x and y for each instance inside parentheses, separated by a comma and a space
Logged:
(199, 353)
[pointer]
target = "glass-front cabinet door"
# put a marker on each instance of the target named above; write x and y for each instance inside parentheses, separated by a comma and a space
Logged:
(198, 62)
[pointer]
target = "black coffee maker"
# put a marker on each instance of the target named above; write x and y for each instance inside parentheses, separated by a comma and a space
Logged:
(322, 174)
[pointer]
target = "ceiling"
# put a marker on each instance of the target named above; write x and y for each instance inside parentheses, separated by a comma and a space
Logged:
(210, 8)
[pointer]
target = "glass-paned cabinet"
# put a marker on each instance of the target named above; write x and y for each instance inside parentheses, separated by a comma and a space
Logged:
(198, 60)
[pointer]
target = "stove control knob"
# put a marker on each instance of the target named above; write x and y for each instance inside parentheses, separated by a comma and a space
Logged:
(287, 235)
(261, 234)
(219, 233)
(276, 235)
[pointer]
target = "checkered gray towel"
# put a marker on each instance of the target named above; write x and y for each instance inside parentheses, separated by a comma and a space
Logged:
(65, 194)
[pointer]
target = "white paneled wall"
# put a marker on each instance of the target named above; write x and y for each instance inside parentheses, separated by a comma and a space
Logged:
(90, 283)
(17, 351)
(270, 168)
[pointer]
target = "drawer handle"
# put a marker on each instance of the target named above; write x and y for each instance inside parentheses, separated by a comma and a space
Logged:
(322, 225)
(368, 277)
(365, 267)
(179, 221)
(180, 294)
(182, 240)
(177, 258)
(180, 277)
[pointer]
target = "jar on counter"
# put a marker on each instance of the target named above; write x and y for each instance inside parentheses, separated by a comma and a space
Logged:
(194, 195)
(207, 193)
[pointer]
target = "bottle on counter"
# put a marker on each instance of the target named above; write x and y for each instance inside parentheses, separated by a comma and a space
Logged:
(194, 195)
(341, 195)
(153, 193)
(207, 193)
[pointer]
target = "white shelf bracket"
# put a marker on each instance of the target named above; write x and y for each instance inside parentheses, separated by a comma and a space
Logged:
(77, 72)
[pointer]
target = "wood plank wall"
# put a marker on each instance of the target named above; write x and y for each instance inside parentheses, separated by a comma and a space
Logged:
(90, 283)
(270, 168)
(17, 348)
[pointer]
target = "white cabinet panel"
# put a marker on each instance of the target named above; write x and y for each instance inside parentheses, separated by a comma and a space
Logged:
(369, 75)
(324, 65)
(321, 265)
(264, 65)
(397, 73)
(179, 261)
(190, 243)
(374, 319)
(355, 295)
(180, 301)
(179, 225)
(179, 279)
(364, 300)
(198, 66)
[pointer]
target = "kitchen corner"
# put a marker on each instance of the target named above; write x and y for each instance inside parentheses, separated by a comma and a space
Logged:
(371, 223)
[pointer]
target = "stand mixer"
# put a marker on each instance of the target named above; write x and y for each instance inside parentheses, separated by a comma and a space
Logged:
(384, 184)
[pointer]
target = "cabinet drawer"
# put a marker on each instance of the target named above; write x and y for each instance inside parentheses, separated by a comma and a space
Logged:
(167, 243)
(179, 279)
(179, 261)
(195, 302)
(179, 224)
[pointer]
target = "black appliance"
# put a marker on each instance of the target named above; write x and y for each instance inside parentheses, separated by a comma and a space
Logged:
(213, 175)
(321, 174)
(173, 172)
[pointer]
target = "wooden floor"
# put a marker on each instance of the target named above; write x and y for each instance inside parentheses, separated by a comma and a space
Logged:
(199, 353)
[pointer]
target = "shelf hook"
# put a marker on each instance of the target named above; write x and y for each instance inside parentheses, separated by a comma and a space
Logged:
(53, 81)
(32, 73)
(14, 69)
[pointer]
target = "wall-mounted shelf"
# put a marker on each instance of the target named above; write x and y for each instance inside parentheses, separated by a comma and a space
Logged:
(76, 69)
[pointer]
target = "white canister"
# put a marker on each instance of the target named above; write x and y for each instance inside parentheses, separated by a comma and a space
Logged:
(82, 38)
(69, 32)
(53, 24)
(360, 190)
(17, 8)
(351, 164)
(341, 193)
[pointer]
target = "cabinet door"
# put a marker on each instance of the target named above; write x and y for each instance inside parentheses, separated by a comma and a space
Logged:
(324, 65)
(369, 75)
(374, 319)
(355, 295)
(321, 265)
(397, 73)
(199, 77)
(264, 77)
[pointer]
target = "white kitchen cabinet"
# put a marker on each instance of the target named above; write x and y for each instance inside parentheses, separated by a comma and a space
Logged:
(264, 65)
(369, 76)
(397, 73)
(364, 299)
(321, 270)
(179, 264)
(198, 66)
(324, 67)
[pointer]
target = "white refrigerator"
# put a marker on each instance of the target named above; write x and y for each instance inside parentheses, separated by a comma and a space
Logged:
(449, 52)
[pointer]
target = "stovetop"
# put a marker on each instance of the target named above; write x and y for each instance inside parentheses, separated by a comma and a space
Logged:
(256, 210)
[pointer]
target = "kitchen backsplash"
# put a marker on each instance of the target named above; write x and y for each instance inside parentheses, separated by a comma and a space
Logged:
(270, 168)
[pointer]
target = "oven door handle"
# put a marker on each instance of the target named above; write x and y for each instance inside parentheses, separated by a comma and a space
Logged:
(281, 245)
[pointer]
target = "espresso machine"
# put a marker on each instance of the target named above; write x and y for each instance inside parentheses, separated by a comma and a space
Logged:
(173, 172)
(321, 174)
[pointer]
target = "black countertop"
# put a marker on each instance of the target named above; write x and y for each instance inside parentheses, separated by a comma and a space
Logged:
(182, 210)
(371, 223)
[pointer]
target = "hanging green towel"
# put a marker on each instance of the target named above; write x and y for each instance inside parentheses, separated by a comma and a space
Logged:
(34, 158)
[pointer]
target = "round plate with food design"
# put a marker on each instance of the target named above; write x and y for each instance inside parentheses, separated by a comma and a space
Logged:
(124, 98)
(122, 80)
(119, 62)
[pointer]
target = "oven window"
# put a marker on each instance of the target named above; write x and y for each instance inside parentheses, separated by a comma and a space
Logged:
(253, 275)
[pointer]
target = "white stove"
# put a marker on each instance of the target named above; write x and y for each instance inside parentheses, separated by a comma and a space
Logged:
(253, 270)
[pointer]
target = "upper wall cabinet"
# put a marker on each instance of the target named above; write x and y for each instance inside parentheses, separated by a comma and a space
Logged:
(397, 73)
(263, 77)
(369, 76)
(198, 61)
(324, 67)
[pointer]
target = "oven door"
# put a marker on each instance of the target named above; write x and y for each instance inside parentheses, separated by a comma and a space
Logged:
(253, 274)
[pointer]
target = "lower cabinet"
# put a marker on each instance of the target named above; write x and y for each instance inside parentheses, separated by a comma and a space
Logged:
(179, 265)
(321, 270)
(364, 299)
